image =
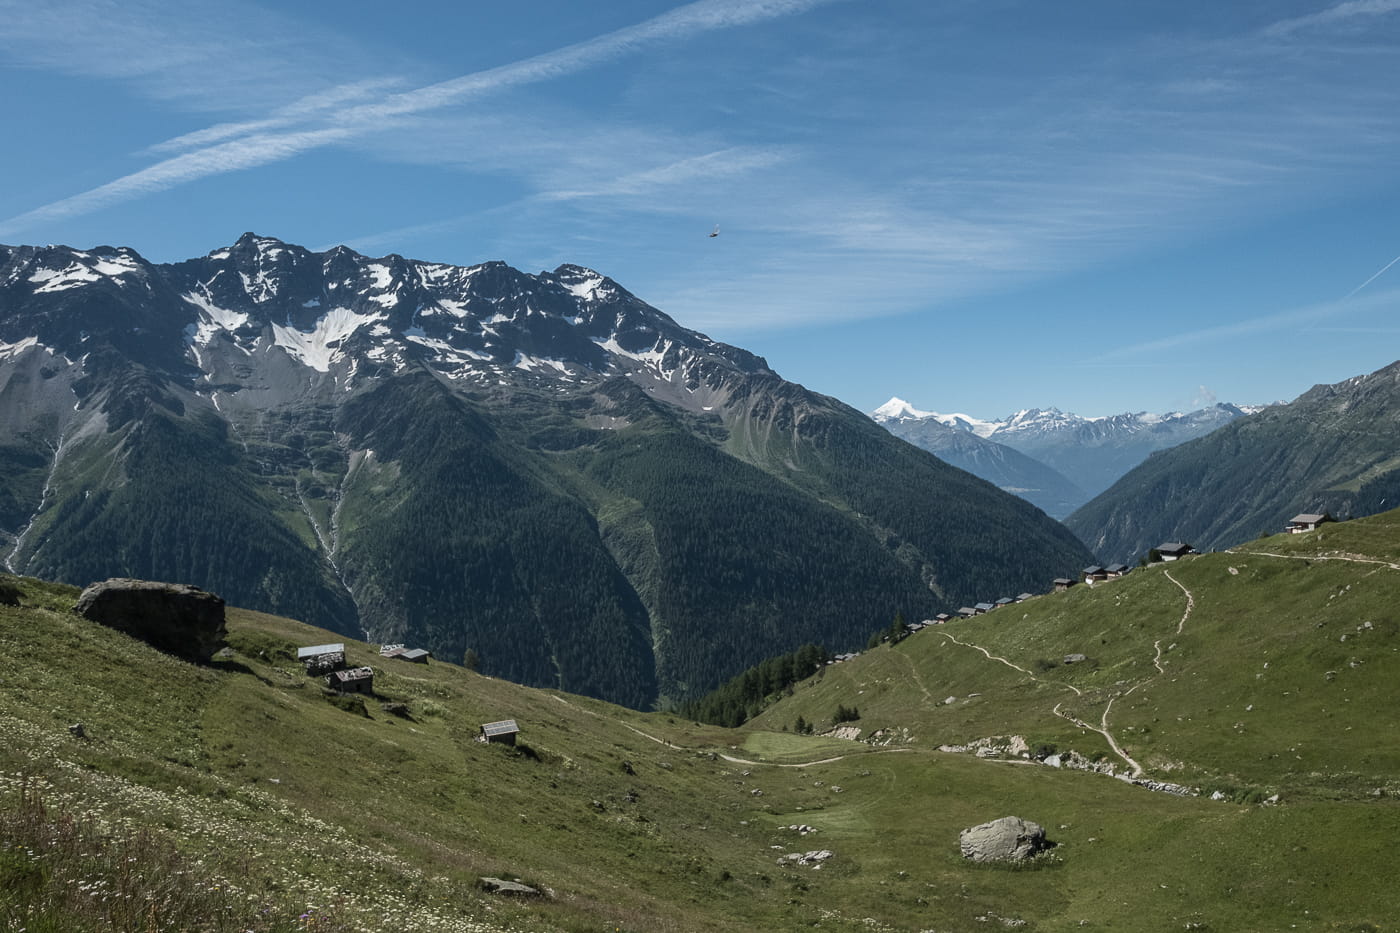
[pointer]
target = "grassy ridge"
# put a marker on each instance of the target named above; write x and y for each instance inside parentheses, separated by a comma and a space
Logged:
(1278, 680)
(641, 822)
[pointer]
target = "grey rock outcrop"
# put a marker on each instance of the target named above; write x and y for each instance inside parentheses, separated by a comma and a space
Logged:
(508, 888)
(1007, 839)
(174, 617)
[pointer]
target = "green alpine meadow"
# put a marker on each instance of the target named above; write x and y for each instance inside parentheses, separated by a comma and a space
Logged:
(1208, 744)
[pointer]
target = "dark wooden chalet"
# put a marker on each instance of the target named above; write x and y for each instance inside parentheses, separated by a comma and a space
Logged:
(1115, 571)
(1063, 583)
(1175, 550)
(1094, 574)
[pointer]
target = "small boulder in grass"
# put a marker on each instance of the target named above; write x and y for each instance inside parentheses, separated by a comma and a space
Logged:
(508, 888)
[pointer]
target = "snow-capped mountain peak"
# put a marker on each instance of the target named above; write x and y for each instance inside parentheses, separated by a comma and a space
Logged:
(898, 409)
(270, 316)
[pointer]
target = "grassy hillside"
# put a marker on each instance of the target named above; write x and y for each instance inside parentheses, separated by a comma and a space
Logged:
(278, 800)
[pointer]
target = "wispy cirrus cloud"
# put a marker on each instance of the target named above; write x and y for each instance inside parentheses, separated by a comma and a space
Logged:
(1304, 317)
(215, 56)
(1342, 12)
(235, 155)
(344, 113)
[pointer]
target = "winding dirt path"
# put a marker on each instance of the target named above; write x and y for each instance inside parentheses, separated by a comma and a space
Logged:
(1103, 728)
(808, 764)
(729, 758)
(1180, 625)
(1352, 559)
(992, 657)
(918, 678)
(627, 726)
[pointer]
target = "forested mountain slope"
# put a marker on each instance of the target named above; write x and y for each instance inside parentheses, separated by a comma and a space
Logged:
(1336, 448)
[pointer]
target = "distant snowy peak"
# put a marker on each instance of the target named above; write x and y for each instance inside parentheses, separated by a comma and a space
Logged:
(897, 409)
(1051, 421)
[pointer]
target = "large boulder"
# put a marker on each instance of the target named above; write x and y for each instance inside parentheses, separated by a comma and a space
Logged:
(176, 618)
(1007, 839)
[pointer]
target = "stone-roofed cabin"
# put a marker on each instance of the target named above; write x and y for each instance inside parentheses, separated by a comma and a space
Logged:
(1024, 596)
(983, 608)
(354, 680)
(1063, 583)
(1094, 574)
(1306, 521)
(1115, 571)
(967, 612)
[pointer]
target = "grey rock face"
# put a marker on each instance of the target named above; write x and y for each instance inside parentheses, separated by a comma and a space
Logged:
(1007, 839)
(174, 617)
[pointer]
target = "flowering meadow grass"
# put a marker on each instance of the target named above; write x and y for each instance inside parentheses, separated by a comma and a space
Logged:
(64, 872)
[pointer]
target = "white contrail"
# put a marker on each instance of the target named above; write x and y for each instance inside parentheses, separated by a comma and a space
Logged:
(1372, 278)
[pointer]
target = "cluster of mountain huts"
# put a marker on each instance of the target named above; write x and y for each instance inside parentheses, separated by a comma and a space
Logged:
(328, 663)
(1089, 576)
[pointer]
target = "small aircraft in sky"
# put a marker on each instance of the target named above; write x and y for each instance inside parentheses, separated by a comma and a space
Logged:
(715, 232)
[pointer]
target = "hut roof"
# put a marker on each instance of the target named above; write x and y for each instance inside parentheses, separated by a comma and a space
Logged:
(352, 675)
(315, 651)
(504, 727)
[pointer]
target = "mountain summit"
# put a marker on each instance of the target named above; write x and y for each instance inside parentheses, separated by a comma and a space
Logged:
(540, 468)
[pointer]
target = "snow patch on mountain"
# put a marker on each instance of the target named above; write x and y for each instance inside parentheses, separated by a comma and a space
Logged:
(586, 288)
(10, 350)
(652, 359)
(320, 347)
(531, 363)
(87, 269)
(457, 309)
(214, 315)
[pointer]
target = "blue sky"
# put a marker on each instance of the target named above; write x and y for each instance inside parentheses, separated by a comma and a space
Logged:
(977, 206)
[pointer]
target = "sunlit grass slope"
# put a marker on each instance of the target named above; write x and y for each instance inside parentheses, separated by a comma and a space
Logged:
(640, 822)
